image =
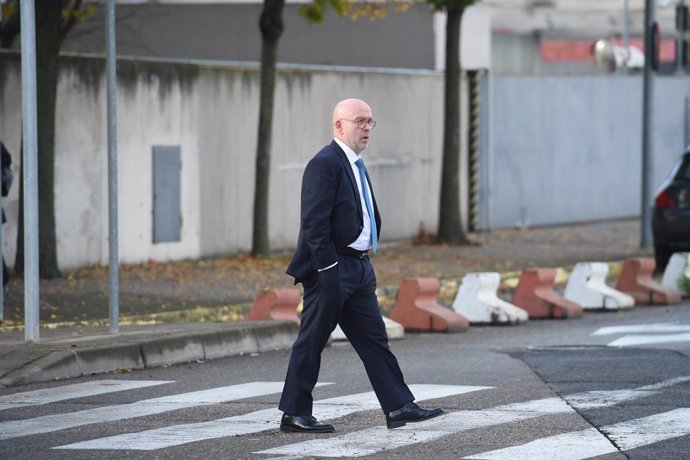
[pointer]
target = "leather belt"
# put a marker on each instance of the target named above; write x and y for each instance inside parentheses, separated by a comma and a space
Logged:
(353, 253)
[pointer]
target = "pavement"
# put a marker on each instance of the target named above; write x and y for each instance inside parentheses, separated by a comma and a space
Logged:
(193, 310)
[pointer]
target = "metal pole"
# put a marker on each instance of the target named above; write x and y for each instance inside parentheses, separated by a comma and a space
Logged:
(626, 35)
(647, 118)
(686, 139)
(113, 258)
(680, 21)
(30, 182)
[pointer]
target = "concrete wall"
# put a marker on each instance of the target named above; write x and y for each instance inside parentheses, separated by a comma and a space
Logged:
(569, 149)
(565, 150)
(211, 111)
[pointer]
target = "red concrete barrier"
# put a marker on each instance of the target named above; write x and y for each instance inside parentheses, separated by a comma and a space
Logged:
(276, 304)
(636, 280)
(535, 294)
(416, 308)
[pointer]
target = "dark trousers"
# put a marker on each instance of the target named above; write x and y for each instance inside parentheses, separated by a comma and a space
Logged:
(357, 311)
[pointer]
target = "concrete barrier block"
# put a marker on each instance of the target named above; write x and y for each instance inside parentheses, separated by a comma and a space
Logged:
(535, 295)
(417, 308)
(394, 331)
(478, 302)
(587, 286)
(678, 267)
(280, 304)
(636, 279)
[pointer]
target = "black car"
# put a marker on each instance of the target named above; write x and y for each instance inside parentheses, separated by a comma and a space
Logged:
(671, 219)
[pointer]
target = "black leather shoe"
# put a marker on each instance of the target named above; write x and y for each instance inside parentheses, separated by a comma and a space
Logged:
(303, 424)
(410, 412)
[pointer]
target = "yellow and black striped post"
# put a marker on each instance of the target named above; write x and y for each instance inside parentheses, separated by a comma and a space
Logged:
(474, 137)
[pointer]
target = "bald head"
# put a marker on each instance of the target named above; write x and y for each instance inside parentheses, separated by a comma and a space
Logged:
(346, 115)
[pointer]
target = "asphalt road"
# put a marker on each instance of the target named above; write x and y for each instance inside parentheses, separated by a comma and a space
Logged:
(608, 386)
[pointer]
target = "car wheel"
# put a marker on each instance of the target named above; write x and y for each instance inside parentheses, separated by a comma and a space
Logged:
(662, 254)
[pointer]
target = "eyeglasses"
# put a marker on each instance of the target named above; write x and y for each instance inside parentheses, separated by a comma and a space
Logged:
(362, 122)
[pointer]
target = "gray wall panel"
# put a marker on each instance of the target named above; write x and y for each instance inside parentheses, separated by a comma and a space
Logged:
(568, 149)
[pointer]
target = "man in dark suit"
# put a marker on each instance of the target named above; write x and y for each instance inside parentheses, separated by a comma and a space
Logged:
(340, 223)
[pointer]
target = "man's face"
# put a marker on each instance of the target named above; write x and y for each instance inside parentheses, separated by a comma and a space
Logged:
(349, 130)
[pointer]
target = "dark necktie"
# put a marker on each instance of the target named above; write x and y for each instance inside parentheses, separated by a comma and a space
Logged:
(368, 202)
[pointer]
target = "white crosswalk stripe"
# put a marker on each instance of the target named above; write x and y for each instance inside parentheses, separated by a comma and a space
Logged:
(646, 334)
(254, 422)
(577, 445)
(647, 430)
(50, 423)
(633, 340)
(74, 391)
(569, 446)
(580, 445)
(378, 439)
(637, 328)
(593, 399)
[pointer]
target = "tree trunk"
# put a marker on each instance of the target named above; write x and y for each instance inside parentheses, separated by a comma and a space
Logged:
(450, 226)
(48, 20)
(271, 25)
(9, 27)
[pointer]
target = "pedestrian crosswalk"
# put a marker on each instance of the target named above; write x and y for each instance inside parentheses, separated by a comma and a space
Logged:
(622, 435)
(50, 423)
(255, 422)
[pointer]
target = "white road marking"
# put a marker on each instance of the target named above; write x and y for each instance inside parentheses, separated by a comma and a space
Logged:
(255, 422)
(637, 328)
(647, 430)
(594, 399)
(632, 340)
(77, 390)
(646, 334)
(580, 445)
(569, 446)
(378, 439)
(50, 423)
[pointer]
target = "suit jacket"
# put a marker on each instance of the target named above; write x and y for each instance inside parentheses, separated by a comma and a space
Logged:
(331, 212)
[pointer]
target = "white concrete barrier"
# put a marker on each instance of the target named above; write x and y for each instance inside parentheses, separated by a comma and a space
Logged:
(393, 329)
(477, 301)
(677, 268)
(587, 287)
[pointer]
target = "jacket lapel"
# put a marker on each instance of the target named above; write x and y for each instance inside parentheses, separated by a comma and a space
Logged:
(350, 174)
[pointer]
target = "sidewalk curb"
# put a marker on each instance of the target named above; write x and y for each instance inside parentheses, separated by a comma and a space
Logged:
(145, 349)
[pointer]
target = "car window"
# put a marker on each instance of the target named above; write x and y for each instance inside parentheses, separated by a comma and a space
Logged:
(682, 169)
